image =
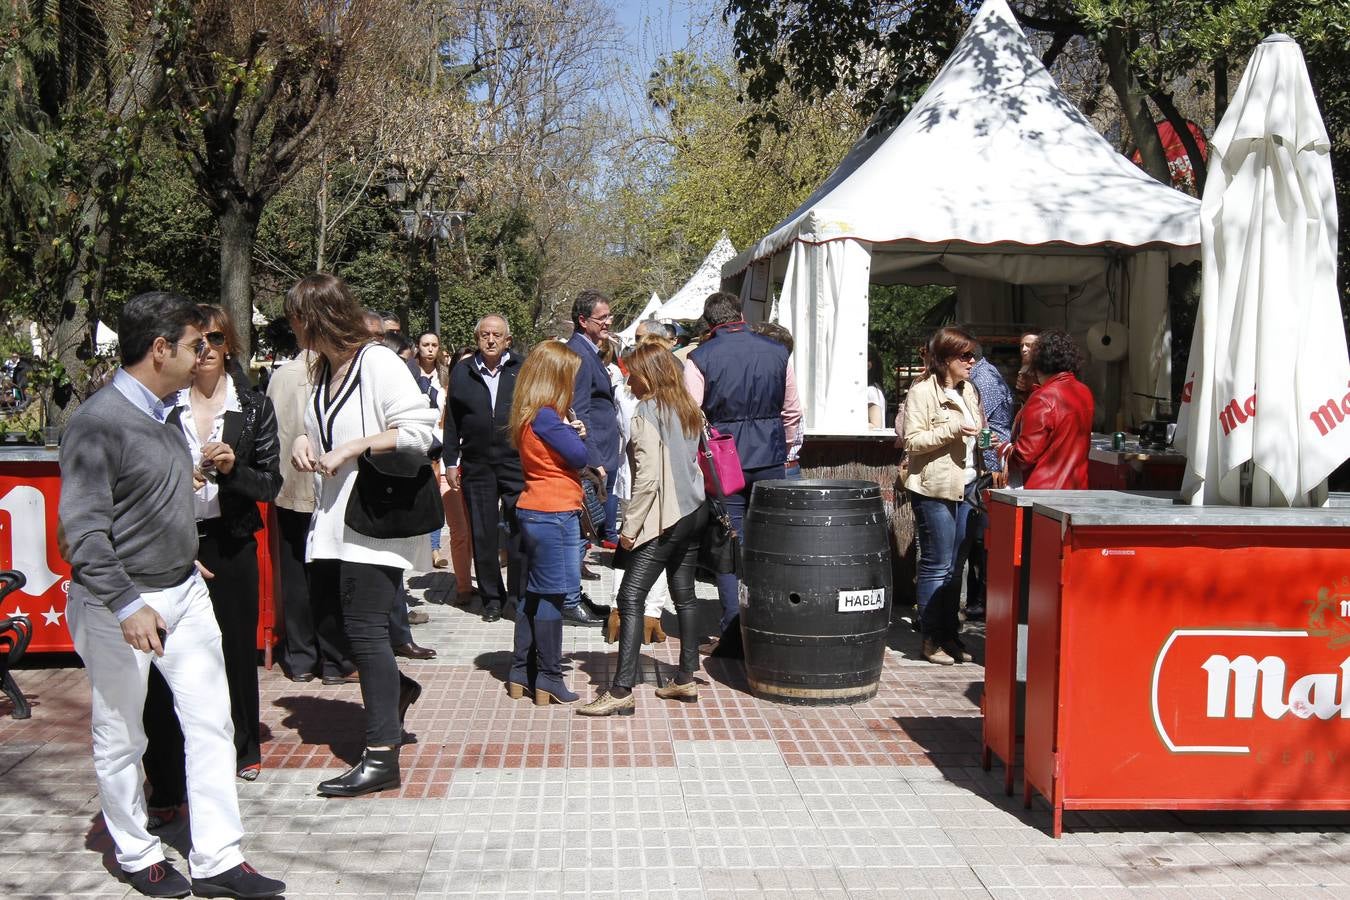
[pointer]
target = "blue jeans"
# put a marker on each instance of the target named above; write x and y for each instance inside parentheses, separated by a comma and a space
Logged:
(728, 586)
(792, 473)
(940, 529)
(550, 540)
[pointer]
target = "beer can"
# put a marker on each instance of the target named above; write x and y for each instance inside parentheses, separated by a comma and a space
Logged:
(986, 438)
(1118, 441)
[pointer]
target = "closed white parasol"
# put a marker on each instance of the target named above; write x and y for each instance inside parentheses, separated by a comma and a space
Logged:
(1267, 388)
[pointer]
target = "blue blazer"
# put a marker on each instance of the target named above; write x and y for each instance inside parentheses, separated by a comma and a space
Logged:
(593, 402)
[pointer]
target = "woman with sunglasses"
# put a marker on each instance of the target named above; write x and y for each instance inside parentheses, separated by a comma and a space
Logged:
(942, 420)
(231, 431)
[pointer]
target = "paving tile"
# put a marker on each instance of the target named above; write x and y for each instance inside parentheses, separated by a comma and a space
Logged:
(729, 797)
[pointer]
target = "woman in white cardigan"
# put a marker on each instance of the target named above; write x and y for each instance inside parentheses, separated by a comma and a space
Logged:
(364, 399)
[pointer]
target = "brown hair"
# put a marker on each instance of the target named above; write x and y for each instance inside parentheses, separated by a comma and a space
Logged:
(945, 345)
(216, 315)
(664, 379)
(332, 320)
(546, 378)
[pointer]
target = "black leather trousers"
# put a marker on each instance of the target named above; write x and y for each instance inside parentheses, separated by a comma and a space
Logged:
(674, 553)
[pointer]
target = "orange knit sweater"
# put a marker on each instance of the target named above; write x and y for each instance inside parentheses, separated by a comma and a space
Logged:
(551, 485)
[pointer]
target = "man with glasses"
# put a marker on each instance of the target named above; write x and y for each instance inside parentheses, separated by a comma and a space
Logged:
(594, 404)
(136, 599)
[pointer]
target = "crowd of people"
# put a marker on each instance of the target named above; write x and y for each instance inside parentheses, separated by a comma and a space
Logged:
(542, 460)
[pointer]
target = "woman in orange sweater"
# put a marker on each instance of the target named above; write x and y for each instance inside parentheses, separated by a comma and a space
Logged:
(549, 513)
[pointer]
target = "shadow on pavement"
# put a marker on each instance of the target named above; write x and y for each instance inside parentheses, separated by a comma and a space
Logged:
(340, 724)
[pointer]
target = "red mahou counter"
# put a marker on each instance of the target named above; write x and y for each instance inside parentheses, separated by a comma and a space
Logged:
(30, 491)
(1184, 657)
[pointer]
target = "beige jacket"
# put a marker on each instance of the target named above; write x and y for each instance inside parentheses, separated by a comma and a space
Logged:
(933, 439)
(667, 482)
(290, 391)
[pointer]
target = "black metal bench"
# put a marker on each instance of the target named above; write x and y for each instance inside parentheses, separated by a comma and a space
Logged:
(15, 633)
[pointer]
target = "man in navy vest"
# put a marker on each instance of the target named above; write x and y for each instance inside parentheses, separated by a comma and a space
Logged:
(745, 386)
(594, 404)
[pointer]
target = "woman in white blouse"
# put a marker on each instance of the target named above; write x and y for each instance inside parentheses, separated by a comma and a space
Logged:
(364, 399)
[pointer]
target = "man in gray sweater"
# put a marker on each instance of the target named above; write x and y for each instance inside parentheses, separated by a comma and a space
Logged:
(136, 597)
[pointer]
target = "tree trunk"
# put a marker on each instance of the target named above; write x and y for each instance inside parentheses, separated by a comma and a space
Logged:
(1133, 102)
(238, 228)
(321, 204)
(1220, 88)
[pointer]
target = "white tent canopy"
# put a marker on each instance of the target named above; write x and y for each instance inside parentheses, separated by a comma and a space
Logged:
(994, 183)
(629, 334)
(687, 302)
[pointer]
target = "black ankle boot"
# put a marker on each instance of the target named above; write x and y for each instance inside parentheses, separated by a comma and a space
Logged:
(408, 692)
(377, 771)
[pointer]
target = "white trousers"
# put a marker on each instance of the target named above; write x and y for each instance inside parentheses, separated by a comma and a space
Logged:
(193, 666)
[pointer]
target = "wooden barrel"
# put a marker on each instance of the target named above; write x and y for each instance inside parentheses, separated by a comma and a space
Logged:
(816, 597)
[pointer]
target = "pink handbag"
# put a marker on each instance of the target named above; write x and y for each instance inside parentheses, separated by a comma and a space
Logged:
(721, 464)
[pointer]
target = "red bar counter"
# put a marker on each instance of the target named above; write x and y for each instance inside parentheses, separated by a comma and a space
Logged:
(1187, 657)
(1133, 468)
(1008, 540)
(30, 489)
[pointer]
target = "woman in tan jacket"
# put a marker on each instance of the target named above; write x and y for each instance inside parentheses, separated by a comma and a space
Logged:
(663, 524)
(942, 420)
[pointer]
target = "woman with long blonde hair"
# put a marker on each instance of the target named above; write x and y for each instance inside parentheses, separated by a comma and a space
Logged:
(549, 439)
(663, 524)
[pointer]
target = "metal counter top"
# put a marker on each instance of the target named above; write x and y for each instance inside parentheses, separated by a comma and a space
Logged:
(1100, 451)
(1024, 498)
(28, 453)
(1136, 515)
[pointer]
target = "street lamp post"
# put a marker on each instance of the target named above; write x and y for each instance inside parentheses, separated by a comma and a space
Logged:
(424, 223)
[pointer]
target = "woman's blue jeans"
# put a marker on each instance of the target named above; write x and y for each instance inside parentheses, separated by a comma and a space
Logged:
(549, 541)
(944, 544)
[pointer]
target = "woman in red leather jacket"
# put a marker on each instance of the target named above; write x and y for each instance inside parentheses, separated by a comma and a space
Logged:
(1051, 447)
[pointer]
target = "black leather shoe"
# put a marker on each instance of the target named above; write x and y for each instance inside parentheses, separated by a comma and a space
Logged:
(300, 677)
(377, 771)
(588, 575)
(974, 613)
(413, 651)
(580, 615)
(492, 611)
(348, 678)
(241, 881)
(598, 610)
(160, 880)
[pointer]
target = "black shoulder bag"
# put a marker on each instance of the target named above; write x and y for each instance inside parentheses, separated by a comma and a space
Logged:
(395, 494)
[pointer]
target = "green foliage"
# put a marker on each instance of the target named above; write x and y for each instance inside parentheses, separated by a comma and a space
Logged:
(896, 325)
(702, 179)
(167, 240)
(464, 302)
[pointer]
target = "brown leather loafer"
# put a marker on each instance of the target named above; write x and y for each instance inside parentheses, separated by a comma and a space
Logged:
(413, 651)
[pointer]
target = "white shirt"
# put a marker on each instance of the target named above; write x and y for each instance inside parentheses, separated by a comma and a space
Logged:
(378, 393)
(954, 394)
(876, 398)
(206, 499)
(492, 377)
